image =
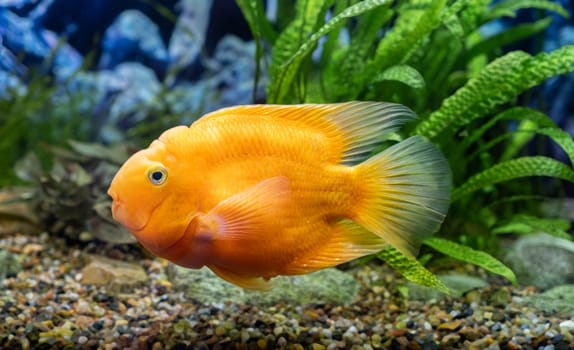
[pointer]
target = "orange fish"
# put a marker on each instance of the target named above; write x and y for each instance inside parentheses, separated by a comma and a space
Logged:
(257, 191)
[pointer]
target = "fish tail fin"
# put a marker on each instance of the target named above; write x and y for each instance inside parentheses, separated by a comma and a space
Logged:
(404, 193)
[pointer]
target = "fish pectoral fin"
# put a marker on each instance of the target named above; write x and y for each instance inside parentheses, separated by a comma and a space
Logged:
(253, 283)
(250, 214)
(345, 241)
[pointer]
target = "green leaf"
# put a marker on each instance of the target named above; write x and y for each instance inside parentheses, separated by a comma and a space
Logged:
(261, 29)
(307, 17)
(515, 113)
(499, 82)
(254, 14)
(524, 133)
(404, 74)
(562, 138)
(525, 224)
(469, 255)
(509, 8)
(350, 60)
(513, 169)
(285, 70)
(509, 36)
(411, 268)
(413, 24)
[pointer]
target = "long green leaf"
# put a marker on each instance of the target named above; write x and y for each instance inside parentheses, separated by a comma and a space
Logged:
(515, 113)
(469, 255)
(411, 268)
(500, 82)
(509, 8)
(524, 133)
(254, 14)
(509, 36)
(285, 73)
(562, 138)
(513, 169)
(261, 29)
(525, 224)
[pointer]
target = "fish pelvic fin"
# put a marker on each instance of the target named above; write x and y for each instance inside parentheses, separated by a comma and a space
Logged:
(404, 193)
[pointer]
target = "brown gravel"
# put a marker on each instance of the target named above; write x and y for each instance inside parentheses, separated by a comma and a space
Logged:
(48, 306)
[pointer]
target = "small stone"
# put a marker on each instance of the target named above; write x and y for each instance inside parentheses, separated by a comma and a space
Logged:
(220, 331)
(567, 325)
(450, 340)
(472, 296)
(32, 248)
(244, 336)
(500, 297)
(115, 274)
(9, 264)
(376, 340)
(262, 343)
(450, 326)
(316, 346)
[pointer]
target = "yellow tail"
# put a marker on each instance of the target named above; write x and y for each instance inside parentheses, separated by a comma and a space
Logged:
(404, 193)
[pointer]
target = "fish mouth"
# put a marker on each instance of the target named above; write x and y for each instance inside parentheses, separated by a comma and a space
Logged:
(120, 214)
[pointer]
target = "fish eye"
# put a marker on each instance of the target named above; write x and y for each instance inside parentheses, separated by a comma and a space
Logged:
(157, 175)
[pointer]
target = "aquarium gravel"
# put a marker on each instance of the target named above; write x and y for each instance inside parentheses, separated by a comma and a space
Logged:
(47, 305)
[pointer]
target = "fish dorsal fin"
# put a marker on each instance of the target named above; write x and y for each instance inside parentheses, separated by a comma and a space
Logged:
(345, 241)
(249, 214)
(254, 283)
(358, 126)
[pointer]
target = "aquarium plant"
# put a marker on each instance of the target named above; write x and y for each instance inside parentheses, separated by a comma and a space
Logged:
(468, 92)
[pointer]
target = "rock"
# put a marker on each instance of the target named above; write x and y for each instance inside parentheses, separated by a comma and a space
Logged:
(558, 299)
(542, 260)
(500, 297)
(187, 39)
(324, 286)
(132, 37)
(16, 213)
(9, 264)
(458, 284)
(118, 275)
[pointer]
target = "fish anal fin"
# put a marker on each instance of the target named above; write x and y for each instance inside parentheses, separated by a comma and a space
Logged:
(253, 283)
(346, 241)
(356, 127)
(249, 214)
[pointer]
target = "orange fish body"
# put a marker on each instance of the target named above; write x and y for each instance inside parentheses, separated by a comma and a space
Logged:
(258, 191)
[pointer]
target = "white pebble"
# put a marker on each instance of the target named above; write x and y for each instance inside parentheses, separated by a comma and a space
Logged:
(567, 325)
(82, 339)
(244, 336)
